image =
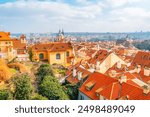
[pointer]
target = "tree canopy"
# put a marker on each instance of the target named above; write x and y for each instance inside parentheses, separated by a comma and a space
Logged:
(51, 89)
(22, 87)
(5, 94)
(44, 70)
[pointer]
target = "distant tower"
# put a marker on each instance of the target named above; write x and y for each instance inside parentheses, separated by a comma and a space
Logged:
(61, 37)
(23, 38)
(63, 32)
(59, 32)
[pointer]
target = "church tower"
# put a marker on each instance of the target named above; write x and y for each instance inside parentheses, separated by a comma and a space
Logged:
(61, 37)
(23, 38)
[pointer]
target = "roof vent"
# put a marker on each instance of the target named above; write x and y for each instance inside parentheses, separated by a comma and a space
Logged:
(146, 89)
(146, 71)
(89, 86)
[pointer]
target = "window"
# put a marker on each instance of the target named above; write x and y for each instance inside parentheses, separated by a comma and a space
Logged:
(67, 54)
(58, 56)
(41, 56)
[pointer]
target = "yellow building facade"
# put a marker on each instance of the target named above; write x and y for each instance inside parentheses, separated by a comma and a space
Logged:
(6, 46)
(55, 53)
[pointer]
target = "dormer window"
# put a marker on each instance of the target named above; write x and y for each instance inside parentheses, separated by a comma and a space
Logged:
(89, 86)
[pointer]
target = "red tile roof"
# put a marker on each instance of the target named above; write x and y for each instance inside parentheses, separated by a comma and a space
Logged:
(20, 47)
(100, 81)
(5, 36)
(142, 58)
(141, 76)
(100, 56)
(134, 93)
(111, 89)
(111, 92)
(52, 47)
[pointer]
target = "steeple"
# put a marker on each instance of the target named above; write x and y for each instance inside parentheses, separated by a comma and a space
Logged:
(63, 32)
(59, 32)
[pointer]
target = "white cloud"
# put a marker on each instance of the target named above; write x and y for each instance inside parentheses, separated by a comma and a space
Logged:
(118, 3)
(35, 16)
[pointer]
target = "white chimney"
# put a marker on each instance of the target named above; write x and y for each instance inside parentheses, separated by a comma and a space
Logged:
(79, 75)
(146, 71)
(128, 64)
(97, 65)
(146, 89)
(74, 72)
(118, 64)
(123, 78)
(138, 69)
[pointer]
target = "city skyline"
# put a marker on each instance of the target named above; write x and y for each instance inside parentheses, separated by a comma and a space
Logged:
(74, 15)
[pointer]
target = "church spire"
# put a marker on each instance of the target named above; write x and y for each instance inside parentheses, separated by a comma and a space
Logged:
(59, 32)
(63, 32)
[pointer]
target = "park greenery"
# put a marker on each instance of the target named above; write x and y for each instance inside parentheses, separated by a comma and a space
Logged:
(48, 85)
(45, 86)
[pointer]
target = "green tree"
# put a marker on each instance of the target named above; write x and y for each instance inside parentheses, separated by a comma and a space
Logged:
(5, 94)
(38, 97)
(51, 89)
(44, 70)
(23, 87)
(30, 54)
(72, 91)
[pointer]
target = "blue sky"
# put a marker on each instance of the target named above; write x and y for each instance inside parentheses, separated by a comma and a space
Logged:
(74, 15)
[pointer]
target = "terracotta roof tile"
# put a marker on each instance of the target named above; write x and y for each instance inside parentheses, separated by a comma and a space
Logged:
(100, 80)
(142, 58)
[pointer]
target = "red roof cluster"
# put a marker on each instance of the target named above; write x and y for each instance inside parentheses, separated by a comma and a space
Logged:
(101, 85)
(142, 58)
(100, 56)
(75, 80)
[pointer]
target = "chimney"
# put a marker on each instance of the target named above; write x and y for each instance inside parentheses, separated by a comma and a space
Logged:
(146, 89)
(79, 75)
(146, 71)
(89, 85)
(112, 73)
(138, 69)
(128, 64)
(97, 65)
(123, 78)
(74, 72)
(118, 64)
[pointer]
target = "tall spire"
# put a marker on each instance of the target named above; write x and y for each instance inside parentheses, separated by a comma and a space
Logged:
(63, 32)
(59, 31)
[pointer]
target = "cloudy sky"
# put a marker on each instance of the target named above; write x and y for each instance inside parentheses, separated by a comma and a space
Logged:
(74, 15)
